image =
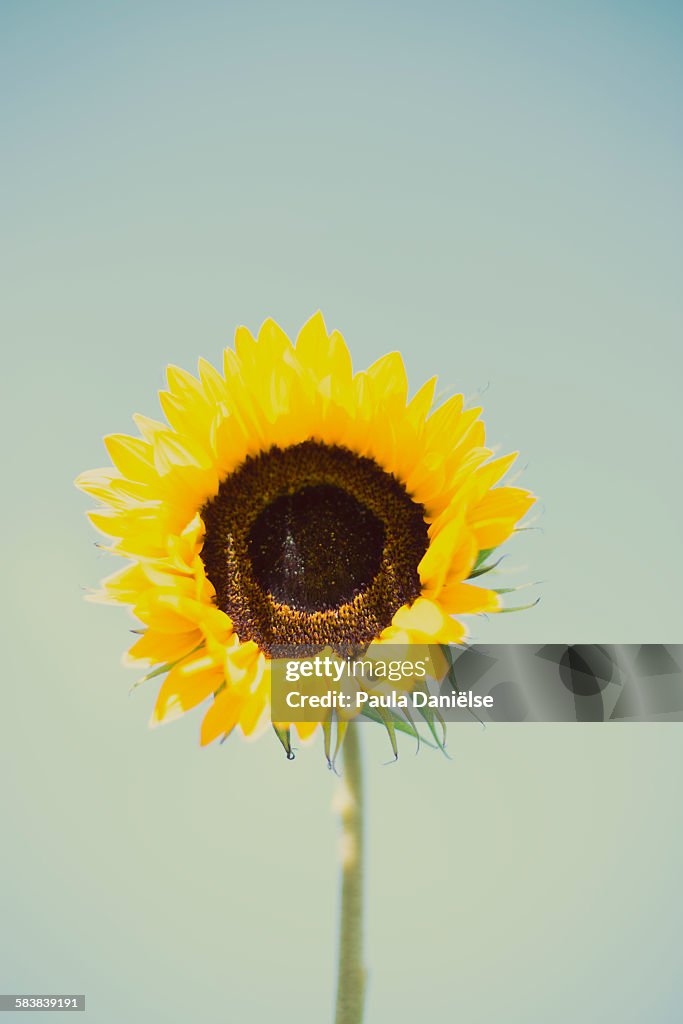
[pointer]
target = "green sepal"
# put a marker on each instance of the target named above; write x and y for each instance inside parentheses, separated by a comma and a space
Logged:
(285, 739)
(389, 725)
(430, 717)
(513, 590)
(481, 558)
(418, 738)
(520, 607)
(163, 669)
(327, 732)
(399, 724)
(485, 568)
(327, 741)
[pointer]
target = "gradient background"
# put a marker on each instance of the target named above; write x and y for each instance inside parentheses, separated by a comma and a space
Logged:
(493, 188)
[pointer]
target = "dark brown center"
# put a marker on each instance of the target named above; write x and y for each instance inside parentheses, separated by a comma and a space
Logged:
(312, 545)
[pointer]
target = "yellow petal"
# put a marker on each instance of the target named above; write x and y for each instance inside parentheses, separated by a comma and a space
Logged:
(185, 686)
(425, 619)
(312, 346)
(163, 647)
(253, 711)
(97, 481)
(245, 350)
(440, 554)
(305, 729)
(132, 456)
(442, 423)
(466, 599)
(223, 715)
(125, 586)
(272, 342)
(488, 476)
(170, 452)
(421, 402)
(422, 616)
(213, 384)
(494, 518)
(388, 376)
(149, 428)
(136, 524)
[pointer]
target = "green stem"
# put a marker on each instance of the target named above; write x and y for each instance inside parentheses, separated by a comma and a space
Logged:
(352, 973)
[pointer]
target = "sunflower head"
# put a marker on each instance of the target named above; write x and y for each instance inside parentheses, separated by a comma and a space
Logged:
(289, 504)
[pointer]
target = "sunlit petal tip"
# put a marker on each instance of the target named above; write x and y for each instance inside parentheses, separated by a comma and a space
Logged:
(422, 401)
(389, 373)
(243, 334)
(180, 381)
(270, 333)
(93, 481)
(130, 455)
(314, 327)
(245, 348)
(149, 428)
(312, 345)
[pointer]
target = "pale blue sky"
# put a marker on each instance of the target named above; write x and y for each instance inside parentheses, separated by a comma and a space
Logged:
(492, 188)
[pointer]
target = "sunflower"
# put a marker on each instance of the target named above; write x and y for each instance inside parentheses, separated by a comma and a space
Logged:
(290, 502)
